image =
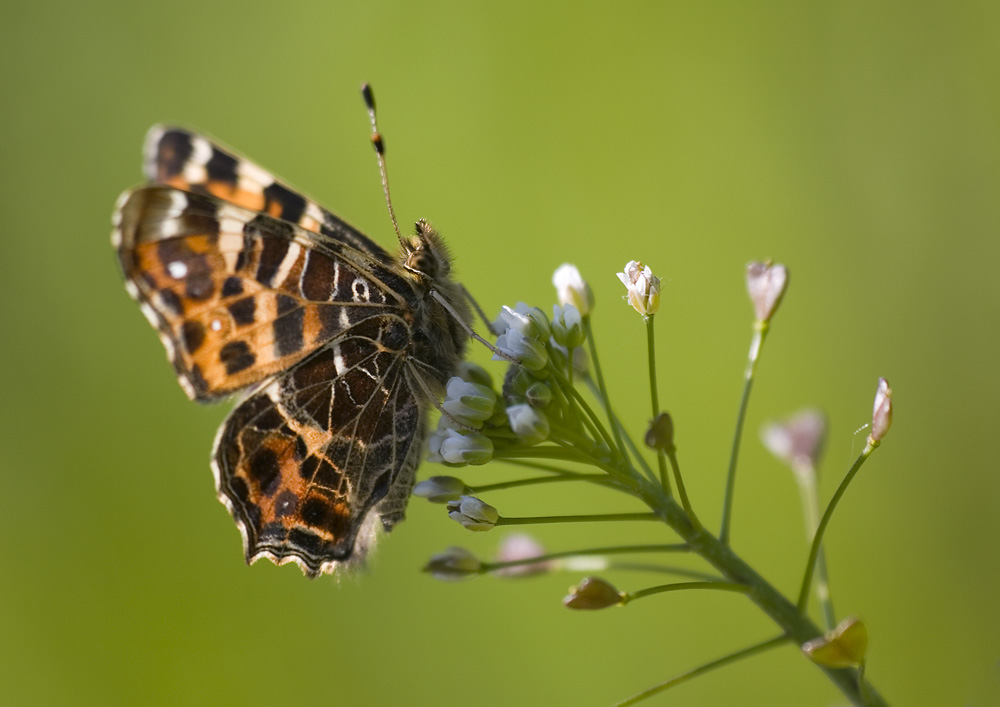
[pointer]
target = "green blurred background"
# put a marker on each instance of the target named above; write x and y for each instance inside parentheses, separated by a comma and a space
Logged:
(855, 142)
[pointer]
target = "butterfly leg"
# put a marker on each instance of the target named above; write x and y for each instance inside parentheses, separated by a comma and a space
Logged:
(469, 330)
(479, 311)
(422, 384)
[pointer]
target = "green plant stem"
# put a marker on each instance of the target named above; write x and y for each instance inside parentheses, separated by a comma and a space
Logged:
(536, 465)
(592, 478)
(632, 447)
(824, 521)
(701, 669)
(578, 399)
(807, 485)
(651, 351)
(561, 434)
(590, 456)
(596, 362)
(639, 456)
(654, 396)
(541, 452)
(573, 413)
(760, 333)
(613, 550)
(681, 586)
(664, 569)
(586, 518)
(571, 410)
(681, 490)
(793, 621)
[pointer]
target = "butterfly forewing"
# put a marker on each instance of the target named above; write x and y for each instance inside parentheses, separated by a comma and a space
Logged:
(238, 295)
(190, 162)
(254, 287)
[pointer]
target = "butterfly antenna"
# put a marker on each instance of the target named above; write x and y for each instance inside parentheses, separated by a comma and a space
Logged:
(379, 144)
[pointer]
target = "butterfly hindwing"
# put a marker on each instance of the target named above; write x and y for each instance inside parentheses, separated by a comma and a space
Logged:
(309, 464)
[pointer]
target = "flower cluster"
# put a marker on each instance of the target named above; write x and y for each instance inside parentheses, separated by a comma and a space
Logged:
(540, 419)
(478, 422)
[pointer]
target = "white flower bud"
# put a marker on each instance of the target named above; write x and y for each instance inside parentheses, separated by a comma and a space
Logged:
(567, 326)
(538, 395)
(440, 489)
(529, 424)
(572, 289)
(528, 351)
(473, 514)
(530, 321)
(469, 403)
(454, 447)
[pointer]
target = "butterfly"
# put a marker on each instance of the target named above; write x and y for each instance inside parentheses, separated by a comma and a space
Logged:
(336, 348)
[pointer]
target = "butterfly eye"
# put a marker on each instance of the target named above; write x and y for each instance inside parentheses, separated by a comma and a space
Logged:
(423, 262)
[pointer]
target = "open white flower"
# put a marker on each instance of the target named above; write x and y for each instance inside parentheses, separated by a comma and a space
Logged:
(643, 288)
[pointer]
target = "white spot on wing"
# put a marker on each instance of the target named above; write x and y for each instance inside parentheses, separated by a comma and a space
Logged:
(314, 212)
(359, 290)
(273, 391)
(150, 150)
(168, 344)
(260, 178)
(312, 219)
(116, 219)
(231, 223)
(292, 255)
(230, 241)
(170, 228)
(151, 314)
(201, 153)
(177, 269)
(178, 202)
(201, 150)
(338, 360)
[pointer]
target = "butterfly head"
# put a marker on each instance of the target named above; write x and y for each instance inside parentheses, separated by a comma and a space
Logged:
(425, 254)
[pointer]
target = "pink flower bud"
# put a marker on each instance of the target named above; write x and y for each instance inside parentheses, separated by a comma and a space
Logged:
(882, 412)
(766, 284)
